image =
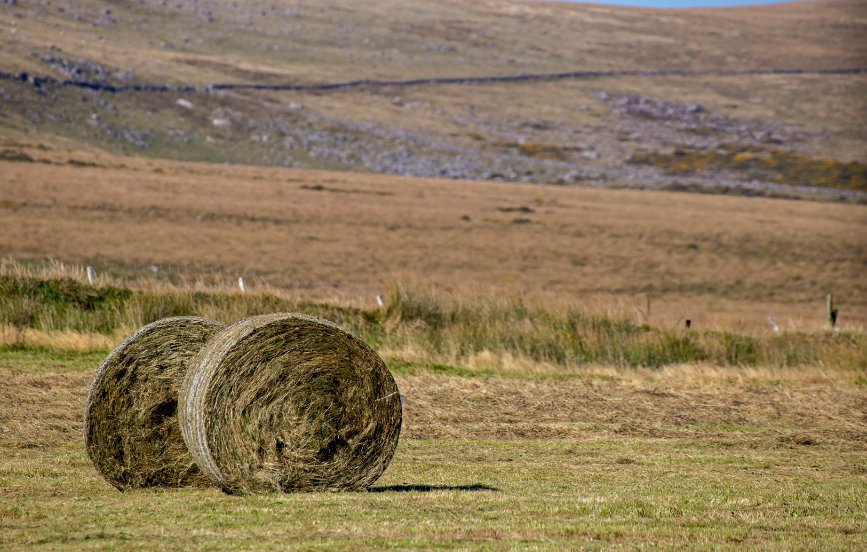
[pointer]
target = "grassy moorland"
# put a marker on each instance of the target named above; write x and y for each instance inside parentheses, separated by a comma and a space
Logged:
(655, 257)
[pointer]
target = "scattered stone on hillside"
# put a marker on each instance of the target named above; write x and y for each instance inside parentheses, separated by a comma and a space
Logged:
(123, 75)
(79, 71)
(106, 18)
(648, 120)
(179, 136)
(139, 138)
(642, 106)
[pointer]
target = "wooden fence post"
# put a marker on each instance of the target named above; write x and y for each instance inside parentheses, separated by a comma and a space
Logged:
(832, 312)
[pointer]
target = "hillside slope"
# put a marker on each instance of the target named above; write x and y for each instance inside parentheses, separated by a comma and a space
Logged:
(786, 134)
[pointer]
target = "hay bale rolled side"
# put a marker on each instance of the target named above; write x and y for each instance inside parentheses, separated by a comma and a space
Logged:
(131, 428)
(289, 403)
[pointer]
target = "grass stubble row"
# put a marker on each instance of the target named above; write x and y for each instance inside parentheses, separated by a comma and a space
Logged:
(281, 402)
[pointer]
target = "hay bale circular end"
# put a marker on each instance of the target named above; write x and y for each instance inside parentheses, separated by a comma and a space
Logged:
(289, 403)
(131, 429)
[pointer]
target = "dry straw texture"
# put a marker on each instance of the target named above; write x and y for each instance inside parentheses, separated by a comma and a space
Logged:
(132, 433)
(286, 402)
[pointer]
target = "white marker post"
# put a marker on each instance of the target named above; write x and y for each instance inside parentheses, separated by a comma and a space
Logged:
(91, 276)
(241, 284)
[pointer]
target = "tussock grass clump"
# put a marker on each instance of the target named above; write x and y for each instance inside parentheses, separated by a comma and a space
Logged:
(451, 331)
(42, 312)
(287, 402)
(60, 304)
(132, 434)
(68, 303)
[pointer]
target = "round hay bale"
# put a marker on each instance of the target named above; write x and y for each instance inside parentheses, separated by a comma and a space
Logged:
(131, 429)
(287, 402)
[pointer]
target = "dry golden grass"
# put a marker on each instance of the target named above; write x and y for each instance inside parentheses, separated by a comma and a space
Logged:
(67, 341)
(672, 404)
(393, 38)
(723, 262)
(46, 405)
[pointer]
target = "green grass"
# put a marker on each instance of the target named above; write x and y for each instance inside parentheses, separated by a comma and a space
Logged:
(67, 304)
(448, 332)
(489, 494)
(36, 360)
(406, 368)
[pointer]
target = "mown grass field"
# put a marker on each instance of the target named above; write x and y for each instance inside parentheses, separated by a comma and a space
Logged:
(687, 456)
(522, 429)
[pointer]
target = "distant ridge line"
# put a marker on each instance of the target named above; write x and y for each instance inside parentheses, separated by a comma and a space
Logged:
(41, 81)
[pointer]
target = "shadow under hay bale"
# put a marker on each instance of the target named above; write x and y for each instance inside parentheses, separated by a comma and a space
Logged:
(288, 403)
(131, 428)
